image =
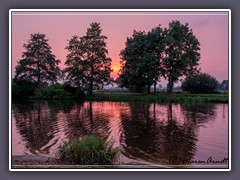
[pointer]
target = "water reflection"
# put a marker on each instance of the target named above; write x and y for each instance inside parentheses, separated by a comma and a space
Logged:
(156, 140)
(200, 114)
(145, 133)
(83, 120)
(37, 124)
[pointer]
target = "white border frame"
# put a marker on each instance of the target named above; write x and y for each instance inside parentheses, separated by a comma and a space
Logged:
(118, 10)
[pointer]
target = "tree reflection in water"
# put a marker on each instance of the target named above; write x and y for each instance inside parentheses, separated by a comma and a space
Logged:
(156, 138)
(44, 124)
(86, 119)
(37, 125)
(145, 132)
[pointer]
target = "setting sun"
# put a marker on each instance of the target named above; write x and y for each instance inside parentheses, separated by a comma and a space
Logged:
(115, 68)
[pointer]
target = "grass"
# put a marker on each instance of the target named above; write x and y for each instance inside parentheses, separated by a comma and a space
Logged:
(91, 150)
(159, 98)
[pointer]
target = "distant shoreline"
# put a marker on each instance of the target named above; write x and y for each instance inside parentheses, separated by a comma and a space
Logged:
(159, 98)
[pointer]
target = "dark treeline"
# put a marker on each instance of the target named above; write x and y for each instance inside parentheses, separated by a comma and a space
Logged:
(171, 53)
(87, 67)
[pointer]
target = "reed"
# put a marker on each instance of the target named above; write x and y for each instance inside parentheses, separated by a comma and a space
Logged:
(91, 150)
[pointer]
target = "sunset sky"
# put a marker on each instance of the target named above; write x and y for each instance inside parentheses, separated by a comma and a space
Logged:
(211, 29)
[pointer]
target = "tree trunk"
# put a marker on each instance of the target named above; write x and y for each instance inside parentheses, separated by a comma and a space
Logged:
(91, 87)
(38, 81)
(38, 67)
(148, 88)
(38, 71)
(91, 80)
(155, 87)
(170, 85)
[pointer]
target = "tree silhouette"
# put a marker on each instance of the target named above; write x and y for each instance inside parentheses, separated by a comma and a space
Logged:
(76, 66)
(141, 59)
(38, 64)
(87, 62)
(181, 53)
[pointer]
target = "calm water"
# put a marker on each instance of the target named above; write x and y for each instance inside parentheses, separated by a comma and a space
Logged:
(152, 134)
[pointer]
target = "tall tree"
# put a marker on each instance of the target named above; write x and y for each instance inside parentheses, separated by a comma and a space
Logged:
(154, 47)
(181, 53)
(132, 56)
(98, 64)
(141, 59)
(76, 66)
(87, 62)
(38, 64)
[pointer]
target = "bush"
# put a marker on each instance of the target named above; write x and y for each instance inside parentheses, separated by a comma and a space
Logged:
(55, 91)
(89, 151)
(77, 92)
(27, 89)
(22, 88)
(200, 83)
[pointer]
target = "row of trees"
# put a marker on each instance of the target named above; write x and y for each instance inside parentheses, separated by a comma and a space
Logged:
(162, 52)
(87, 63)
(171, 52)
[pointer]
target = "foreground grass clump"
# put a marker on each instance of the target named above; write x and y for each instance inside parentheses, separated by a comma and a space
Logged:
(91, 150)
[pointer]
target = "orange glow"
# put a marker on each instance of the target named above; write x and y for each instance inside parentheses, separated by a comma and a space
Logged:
(115, 68)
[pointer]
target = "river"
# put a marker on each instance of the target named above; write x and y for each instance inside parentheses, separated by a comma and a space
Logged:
(146, 133)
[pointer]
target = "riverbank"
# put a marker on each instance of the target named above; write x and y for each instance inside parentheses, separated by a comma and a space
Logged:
(159, 98)
(32, 161)
(41, 162)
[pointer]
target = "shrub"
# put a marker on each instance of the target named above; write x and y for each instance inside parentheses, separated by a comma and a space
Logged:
(55, 91)
(22, 88)
(89, 151)
(200, 83)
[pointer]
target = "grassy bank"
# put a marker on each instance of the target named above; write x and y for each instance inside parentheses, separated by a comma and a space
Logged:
(160, 98)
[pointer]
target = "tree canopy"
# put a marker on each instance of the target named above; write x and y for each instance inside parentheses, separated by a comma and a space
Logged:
(141, 59)
(75, 63)
(171, 52)
(87, 62)
(38, 64)
(181, 53)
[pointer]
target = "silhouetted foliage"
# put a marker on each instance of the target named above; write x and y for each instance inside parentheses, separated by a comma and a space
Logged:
(141, 59)
(22, 88)
(200, 83)
(181, 53)
(55, 91)
(88, 66)
(171, 52)
(38, 64)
